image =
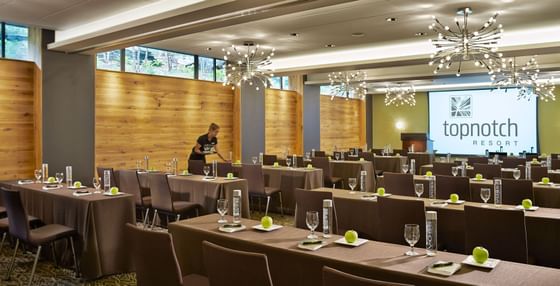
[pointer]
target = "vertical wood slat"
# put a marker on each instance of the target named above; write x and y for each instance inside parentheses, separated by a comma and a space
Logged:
(342, 123)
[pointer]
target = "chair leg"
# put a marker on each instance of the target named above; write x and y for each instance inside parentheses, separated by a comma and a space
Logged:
(54, 255)
(76, 263)
(267, 204)
(154, 219)
(281, 205)
(3, 239)
(145, 219)
(11, 267)
(34, 265)
(260, 207)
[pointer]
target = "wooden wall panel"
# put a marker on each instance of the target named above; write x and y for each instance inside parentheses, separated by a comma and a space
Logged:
(281, 121)
(159, 116)
(342, 123)
(17, 119)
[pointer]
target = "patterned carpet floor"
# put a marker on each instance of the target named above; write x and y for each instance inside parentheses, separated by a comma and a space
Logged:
(48, 273)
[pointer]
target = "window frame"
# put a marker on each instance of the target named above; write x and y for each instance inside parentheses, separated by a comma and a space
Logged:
(2, 39)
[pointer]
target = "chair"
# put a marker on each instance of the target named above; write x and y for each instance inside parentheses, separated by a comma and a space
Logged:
(512, 162)
(224, 168)
(441, 168)
(538, 172)
(555, 156)
(196, 167)
(320, 153)
(227, 267)
(323, 163)
(131, 185)
(368, 156)
(515, 191)
(312, 201)
(333, 277)
(268, 160)
(100, 174)
(162, 200)
(484, 225)
(300, 162)
(447, 185)
(37, 237)
(396, 213)
(477, 160)
(399, 184)
(488, 171)
(555, 164)
(255, 179)
(530, 156)
(377, 151)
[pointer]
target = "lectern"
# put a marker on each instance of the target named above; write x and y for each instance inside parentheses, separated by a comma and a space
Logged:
(421, 141)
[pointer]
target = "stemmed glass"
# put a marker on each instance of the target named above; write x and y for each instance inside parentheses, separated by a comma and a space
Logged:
(222, 210)
(454, 171)
(405, 168)
(337, 155)
(312, 221)
(307, 156)
(411, 235)
(59, 177)
(138, 165)
(255, 159)
(352, 183)
(38, 175)
(516, 174)
(485, 195)
(97, 185)
(206, 170)
(288, 161)
(419, 190)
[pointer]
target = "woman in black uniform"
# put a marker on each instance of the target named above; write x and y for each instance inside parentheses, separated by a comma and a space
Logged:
(207, 144)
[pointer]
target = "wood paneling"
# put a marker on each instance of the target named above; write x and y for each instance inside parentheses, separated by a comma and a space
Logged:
(281, 121)
(159, 116)
(342, 123)
(17, 119)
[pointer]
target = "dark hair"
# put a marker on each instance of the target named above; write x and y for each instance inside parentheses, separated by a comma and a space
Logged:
(213, 126)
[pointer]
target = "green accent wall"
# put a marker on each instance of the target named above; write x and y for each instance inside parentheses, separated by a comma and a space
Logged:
(549, 124)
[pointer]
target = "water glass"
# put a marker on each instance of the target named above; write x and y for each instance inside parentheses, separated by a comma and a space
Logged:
(337, 155)
(222, 210)
(411, 235)
(97, 185)
(485, 195)
(419, 189)
(138, 165)
(454, 171)
(307, 156)
(312, 221)
(206, 170)
(59, 177)
(352, 183)
(255, 159)
(288, 161)
(38, 175)
(405, 168)
(516, 174)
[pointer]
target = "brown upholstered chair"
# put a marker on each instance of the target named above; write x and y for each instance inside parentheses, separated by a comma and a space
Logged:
(489, 227)
(162, 200)
(2, 211)
(319, 153)
(555, 164)
(333, 277)
(224, 168)
(299, 162)
(512, 162)
(555, 156)
(268, 160)
(196, 167)
(477, 160)
(488, 171)
(399, 184)
(538, 172)
(324, 164)
(100, 174)
(312, 201)
(226, 267)
(515, 191)
(447, 185)
(530, 156)
(154, 259)
(443, 168)
(130, 184)
(396, 213)
(37, 237)
(255, 179)
(368, 156)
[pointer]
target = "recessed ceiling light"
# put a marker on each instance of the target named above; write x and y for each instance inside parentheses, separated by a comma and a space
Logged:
(358, 35)
(208, 49)
(420, 34)
(294, 34)
(330, 46)
(391, 19)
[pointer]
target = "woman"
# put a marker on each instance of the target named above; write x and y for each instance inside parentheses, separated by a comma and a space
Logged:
(207, 144)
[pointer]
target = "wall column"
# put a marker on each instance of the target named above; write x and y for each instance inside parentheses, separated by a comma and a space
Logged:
(311, 117)
(252, 122)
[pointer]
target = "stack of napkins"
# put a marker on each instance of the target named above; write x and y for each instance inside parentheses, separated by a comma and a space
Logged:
(444, 268)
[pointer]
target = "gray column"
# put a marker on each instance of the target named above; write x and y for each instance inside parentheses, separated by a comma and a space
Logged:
(252, 122)
(311, 117)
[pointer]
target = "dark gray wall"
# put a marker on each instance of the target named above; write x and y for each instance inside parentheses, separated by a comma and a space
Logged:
(252, 122)
(369, 120)
(311, 118)
(68, 112)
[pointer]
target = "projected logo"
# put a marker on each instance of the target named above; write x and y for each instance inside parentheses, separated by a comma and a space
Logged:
(460, 106)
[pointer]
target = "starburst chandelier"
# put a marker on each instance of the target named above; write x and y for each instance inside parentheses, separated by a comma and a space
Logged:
(464, 45)
(247, 64)
(348, 84)
(525, 78)
(399, 95)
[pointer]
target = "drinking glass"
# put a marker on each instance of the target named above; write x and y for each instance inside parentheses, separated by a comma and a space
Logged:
(516, 174)
(138, 165)
(288, 161)
(419, 189)
(337, 156)
(206, 170)
(307, 156)
(405, 168)
(352, 183)
(312, 221)
(454, 171)
(411, 235)
(59, 177)
(222, 210)
(485, 195)
(38, 175)
(97, 185)
(255, 159)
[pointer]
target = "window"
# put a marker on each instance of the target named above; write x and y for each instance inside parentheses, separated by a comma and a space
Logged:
(1, 40)
(220, 71)
(158, 62)
(276, 82)
(285, 82)
(109, 60)
(15, 42)
(205, 68)
(325, 90)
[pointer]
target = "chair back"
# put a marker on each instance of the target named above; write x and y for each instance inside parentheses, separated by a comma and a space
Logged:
(538, 172)
(100, 174)
(312, 201)
(255, 178)
(324, 164)
(396, 213)
(130, 184)
(377, 151)
(333, 277)
(484, 225)
(477, 160)
(488, 171)
(161, 193)
(515, 191)
(320, 153)
(224, 168)
(269, 160)
(300, 162)
(512, 162)
(368, 156)
(153, 257)
(399, 184)
(447, 185)
(555, 164)
(196, 167)
(18, 223)
(443, 168)
(227, 267)
(530, 156)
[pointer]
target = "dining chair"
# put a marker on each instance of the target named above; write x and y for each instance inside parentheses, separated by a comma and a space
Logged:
(154, 259)
(333, 277)
(396, 213)
(447, 185)
(130, 184)
(515, 191)
(224, 168)
(307, 200)
(100, 174)
(37, 237)
(488, 171)
(443, 168)
(538, 172)
(256, 185)
(512, 162)
(268, 160)
(555, 164)
(300, 162)
(368, 156)
(324, 164)
(226, 267)
(163, 202)
(477, 160)
(320, 153)
(196, 167)
(399, 184)
(530, 156)
(489, 227)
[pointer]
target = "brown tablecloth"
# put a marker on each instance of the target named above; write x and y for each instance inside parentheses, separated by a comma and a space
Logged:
(292, 266)
(195, 188)
(352, 169)
(389, 163)
(543, 226)
(98, 219)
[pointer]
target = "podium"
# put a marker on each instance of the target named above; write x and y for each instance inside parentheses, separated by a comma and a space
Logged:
(421, 141)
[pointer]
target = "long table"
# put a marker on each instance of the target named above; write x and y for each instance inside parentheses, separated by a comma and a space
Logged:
(352, 169)
(543, 225)
(292, 266)
(554, 175)
(389, 163)
(98, 219)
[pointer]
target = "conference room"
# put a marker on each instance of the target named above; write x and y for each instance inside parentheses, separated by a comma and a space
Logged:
(279, 142)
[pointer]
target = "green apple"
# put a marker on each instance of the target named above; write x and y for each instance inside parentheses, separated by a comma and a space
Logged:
(480, 254)
(51, 180)
(428, 173)
(454, 198)
(230, 175)
(527, 203)
(266, 222)
(478, 176)
(77, 184)
(535, 160)
(398, 154)
(276, 164)
(381, 191)
(351, 236)
(238, 162)
(185, 172)
(545, 180)
(361, 159)
(114, 190)
(309, 166)
(330, 158)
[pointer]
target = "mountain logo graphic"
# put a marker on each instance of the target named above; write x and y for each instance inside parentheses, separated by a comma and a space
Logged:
(460, 106)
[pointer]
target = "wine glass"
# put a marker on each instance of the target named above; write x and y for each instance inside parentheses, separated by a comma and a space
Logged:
(516, 174)
(307, 156)
(454, 171)
(97, 185)
(254, 159)
(59, 177)
(337, 155)
(352, 183)
(222, 210)
(206, 170)
(312, 221)
(288, 161)
(419, 189)
(405, 168)
(411, 235)
(38, 175)
(138, 165)
(485, 195)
